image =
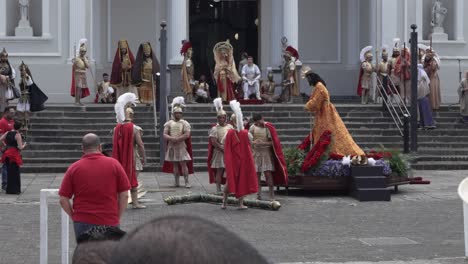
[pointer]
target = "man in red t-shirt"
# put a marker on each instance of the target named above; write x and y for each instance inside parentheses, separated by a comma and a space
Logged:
(98, 186)
(6, 124)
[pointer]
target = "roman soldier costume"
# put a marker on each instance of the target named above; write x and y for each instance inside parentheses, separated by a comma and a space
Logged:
(365, 74)
(188, 71)
(79, 87)
(290, 77)
(144, 73)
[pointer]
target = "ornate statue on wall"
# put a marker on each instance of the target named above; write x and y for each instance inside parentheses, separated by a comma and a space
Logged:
(188, 71)
(121, 75)
(225, 70)
(144, 73)
(438, 14)
(24, 9)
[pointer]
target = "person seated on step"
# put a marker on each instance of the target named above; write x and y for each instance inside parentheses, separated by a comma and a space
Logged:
(203, 91)
(251, 79)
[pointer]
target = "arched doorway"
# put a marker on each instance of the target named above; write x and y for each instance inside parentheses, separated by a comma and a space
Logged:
(211, 21)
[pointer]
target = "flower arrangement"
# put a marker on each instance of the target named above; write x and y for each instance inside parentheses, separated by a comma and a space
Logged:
(294, 158)
(314, 156)
(399, 163)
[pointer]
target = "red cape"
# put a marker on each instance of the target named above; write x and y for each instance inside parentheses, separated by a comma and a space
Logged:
(122, 150)
(359, 85)
(116, 76)
(280, 175)
(169, 168)
(84, 91)
(229, 89)
(240, 166)
(211, 171)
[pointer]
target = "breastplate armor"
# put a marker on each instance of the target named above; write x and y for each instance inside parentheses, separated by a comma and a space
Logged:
(176, 129)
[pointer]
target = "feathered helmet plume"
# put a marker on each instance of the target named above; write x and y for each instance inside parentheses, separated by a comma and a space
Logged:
(235, 107)
(396, 44)
(366, 51)
(123, 102)
(218, 104)
(186, 45)
(81, 46)
(305, 70)
(177, 104)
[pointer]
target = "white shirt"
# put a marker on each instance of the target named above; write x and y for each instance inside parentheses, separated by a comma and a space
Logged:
(251, 73)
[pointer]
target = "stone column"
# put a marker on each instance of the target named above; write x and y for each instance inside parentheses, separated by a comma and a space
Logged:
(389, 23)
(46, 18)
(352, 31)
(77, 26)
(459, 19)
(177, 27)
(3, 18)
(276, 33)
(291, 22)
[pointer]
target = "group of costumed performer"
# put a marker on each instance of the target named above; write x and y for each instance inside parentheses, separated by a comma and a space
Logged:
(179, 158)
(126, 136)
(79, 86)
(225, 72)
(144, 73)
(327, 118)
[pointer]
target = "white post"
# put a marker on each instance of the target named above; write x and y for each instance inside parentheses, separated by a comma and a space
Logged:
(3, 18)
(43, 227)
(291, 22)
(177, 27)
(65, 237)
(465, 226)
(45, 18)
(77, 21)
(459, 19)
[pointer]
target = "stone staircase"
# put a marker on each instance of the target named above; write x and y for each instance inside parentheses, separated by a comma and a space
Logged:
(56, 133)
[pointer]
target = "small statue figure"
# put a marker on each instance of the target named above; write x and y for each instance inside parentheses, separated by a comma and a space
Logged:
(24, 9)
(438, 14)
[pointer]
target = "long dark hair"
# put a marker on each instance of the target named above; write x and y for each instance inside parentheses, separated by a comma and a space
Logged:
(314, 78)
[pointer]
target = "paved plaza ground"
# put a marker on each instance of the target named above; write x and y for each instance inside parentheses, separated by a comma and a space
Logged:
(422, 224)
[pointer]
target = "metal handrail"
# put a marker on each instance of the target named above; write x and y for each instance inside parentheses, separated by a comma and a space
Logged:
(395, 112)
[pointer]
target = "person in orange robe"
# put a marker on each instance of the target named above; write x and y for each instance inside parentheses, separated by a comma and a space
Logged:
(327, 118)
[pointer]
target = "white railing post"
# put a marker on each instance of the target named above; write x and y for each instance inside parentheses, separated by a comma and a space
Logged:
(65, 237)
(65, 232)
(463, 193)
(43, 227)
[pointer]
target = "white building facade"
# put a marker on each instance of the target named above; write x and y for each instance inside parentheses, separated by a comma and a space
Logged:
(328, 34)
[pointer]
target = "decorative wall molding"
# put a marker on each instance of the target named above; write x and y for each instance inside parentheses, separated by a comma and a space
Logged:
(339, 33)
(44, 38)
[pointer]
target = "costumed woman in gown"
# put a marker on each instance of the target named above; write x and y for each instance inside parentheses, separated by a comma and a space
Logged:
(327, 118)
